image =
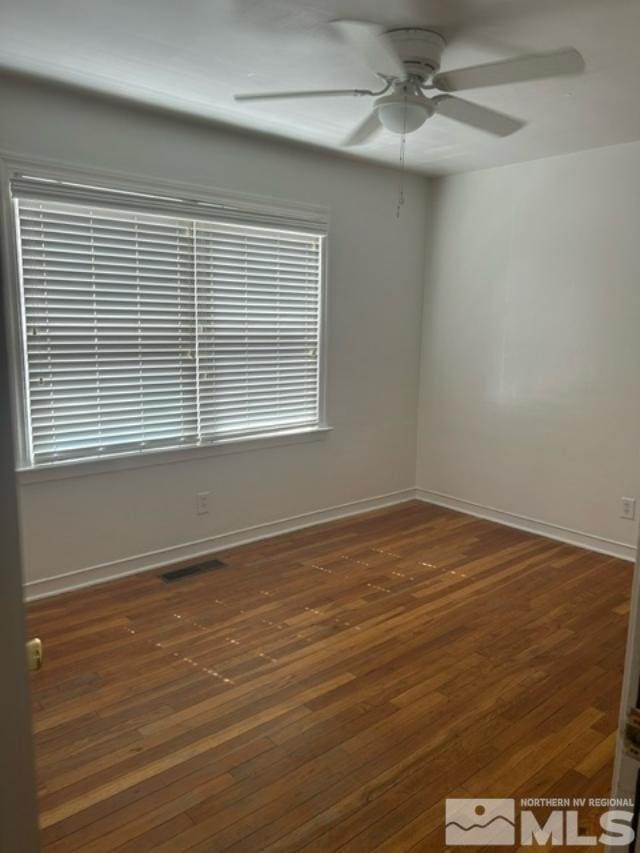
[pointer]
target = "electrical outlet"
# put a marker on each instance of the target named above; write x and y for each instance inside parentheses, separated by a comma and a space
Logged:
(202, 503)
(628, 510)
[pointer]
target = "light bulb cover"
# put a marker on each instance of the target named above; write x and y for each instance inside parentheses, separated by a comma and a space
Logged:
(403, 113)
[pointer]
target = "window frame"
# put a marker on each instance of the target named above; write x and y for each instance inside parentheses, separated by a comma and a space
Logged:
(315, 216)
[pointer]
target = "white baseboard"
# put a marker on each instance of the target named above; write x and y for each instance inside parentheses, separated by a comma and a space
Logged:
(532, 525)
(167, 556)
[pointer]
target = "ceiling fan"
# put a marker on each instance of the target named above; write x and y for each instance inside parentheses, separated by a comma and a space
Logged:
(407, 61)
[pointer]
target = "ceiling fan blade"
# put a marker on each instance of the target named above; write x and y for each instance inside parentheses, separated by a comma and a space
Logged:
(364, 131)
(315, 93)
(482, 118)
(371, 44)
(533, 67)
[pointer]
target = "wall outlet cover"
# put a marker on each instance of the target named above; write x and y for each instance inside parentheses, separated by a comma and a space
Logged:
(628, 509)
(202, 503)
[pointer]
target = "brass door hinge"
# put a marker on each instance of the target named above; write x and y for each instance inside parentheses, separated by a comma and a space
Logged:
(34, 655)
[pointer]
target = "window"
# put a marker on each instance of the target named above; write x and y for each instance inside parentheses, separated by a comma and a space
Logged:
(146, 328)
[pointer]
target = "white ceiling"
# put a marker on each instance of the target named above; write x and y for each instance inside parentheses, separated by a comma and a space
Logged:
(192, 55)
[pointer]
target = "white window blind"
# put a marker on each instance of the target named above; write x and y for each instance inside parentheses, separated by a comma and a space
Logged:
(146, 330)
(258, 309)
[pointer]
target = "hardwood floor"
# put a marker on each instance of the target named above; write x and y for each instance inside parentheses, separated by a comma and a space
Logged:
(327, 689)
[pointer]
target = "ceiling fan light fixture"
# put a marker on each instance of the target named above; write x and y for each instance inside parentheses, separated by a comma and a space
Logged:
(406, 61)
(403, 113)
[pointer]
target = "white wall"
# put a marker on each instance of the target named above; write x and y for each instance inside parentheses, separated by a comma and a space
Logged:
(529, 399)
(375, 303)
(530, 378)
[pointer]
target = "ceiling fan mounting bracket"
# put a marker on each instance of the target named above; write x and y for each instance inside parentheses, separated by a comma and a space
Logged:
(419, 49)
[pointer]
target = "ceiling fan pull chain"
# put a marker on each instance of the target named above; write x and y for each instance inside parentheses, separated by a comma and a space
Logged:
(403, 145)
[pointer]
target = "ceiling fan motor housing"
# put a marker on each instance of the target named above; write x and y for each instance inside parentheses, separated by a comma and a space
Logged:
(419, 49)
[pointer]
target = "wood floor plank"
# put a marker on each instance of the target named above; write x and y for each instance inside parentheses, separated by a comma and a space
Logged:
(328, 689)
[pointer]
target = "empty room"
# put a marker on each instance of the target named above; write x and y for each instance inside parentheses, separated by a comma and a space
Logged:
(320, 408)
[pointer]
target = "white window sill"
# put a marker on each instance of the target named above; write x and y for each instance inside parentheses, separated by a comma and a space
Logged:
(164, 456)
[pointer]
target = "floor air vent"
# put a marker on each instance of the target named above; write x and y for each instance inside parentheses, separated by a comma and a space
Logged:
(189, 571)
